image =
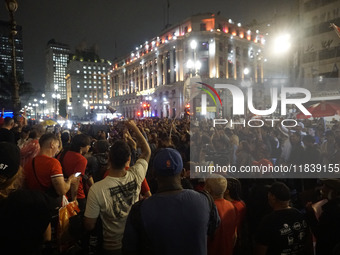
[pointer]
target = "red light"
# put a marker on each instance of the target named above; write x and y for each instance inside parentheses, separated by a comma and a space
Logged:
(187, 106)
(144, 105)
(138, 113)
(91, 107)
(148, 105)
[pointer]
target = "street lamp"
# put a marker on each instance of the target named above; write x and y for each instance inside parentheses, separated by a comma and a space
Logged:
(43, 103)
(56, 97)
(282, 44)
(197, 64)
(35, 107)
(12, 6)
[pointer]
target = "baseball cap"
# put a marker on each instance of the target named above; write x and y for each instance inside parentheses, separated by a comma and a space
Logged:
(9, 159)
(280, 191)
(167, 162)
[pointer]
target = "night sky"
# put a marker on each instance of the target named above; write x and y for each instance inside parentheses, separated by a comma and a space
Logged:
(126, 22)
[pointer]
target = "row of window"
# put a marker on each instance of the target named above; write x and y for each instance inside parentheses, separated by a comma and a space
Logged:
(94, 67)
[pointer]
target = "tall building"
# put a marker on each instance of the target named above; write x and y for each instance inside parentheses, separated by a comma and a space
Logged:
(320, 48)
(57, 57)
(6, 57)
(155, 79)
(88, 85)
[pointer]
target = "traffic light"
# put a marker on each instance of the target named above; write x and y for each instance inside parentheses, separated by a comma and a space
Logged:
(148, 107)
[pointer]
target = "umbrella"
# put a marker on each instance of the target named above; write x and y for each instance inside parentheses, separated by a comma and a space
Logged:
(49, 122)
(322, 109)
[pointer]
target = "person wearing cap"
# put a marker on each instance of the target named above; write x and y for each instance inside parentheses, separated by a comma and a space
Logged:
(24, 215)
(9, 168)
(284, 231)
(326, 228)
(222, 243)
(112, 197)
(174, 220)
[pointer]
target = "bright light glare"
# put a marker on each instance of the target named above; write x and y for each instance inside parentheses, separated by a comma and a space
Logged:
(198, 65)
(190, 64)
(282, 44)
(193, 44)
(246, 71)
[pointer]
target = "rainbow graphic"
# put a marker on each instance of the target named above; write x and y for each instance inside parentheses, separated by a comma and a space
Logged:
(209, 93)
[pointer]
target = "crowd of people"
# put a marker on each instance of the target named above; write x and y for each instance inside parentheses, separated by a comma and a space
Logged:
(131, 180)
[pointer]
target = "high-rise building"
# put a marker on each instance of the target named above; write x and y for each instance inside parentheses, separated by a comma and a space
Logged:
(57, 57)
(88, 85)
(153, 80)
(6, 56)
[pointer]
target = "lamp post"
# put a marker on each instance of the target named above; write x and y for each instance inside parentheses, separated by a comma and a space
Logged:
(35, 107)
(43, 103)
(56, 97)
(197, 63)
(12, 6)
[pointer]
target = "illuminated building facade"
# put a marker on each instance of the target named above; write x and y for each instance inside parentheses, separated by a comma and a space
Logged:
(152, 80)
(88, 85)
(57, 56)
(320, 48)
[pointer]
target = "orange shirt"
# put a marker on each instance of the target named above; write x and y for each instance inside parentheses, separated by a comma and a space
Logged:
(224, 239)
(240, 208)
(45, 168)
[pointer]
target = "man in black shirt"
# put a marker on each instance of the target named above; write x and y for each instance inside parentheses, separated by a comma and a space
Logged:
(6, 135)
(284, 231)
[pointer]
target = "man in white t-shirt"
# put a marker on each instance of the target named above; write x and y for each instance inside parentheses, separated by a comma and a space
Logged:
(112, 198)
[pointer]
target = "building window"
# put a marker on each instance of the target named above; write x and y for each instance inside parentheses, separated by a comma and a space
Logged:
(220, 46)
(238, 51)
(230, 48)
(203, 27)
(204, 46)
(221, 61)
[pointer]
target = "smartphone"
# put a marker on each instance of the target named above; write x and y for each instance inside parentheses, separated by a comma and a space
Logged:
(77, 174)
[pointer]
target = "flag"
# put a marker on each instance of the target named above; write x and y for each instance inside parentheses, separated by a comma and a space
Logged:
(336, 29)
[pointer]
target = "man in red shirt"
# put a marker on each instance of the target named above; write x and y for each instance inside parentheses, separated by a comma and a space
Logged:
(74, 162)
(44, 172)
(225, 236)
